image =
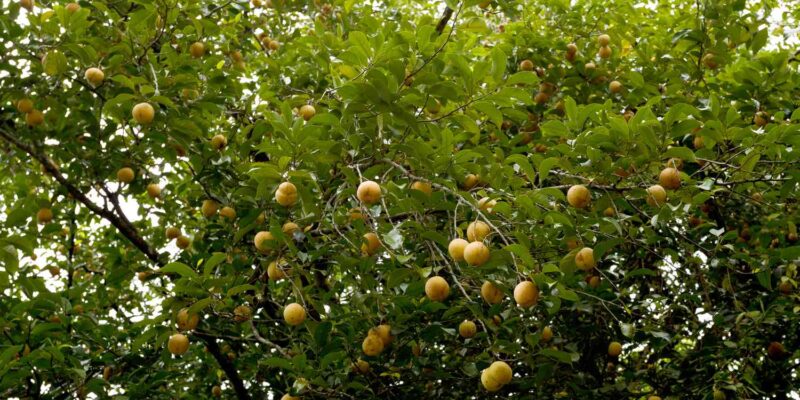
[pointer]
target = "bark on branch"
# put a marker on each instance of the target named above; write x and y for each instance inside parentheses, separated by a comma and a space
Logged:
(120, 222)
(448, 13)
(129, 231)
(225, 364)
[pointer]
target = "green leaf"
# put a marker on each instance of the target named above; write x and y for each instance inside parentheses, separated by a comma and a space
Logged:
(212, 262)
(178, 268)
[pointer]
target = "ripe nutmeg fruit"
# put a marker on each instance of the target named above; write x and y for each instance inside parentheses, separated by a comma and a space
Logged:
(178, 344)
(578, 196)
(197, 49)
(294, 314)
(307, 111)
(526, 294)
(143, 113)
(369, 192)
(94, 76)
(670, 178)
(286, 194)
(437, 288)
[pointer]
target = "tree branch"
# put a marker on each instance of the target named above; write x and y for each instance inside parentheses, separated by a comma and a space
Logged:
(124, 227)
(225, 364)
(448, 13)
(129, 231)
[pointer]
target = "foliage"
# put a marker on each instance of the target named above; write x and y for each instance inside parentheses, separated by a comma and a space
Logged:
(700, 290)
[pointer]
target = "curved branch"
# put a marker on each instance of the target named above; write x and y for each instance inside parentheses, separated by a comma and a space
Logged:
(122, 224)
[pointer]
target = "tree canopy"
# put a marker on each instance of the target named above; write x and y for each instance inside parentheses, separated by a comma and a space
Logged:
(399, 199)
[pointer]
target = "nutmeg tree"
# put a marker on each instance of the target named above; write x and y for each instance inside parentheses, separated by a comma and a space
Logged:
(399, 199)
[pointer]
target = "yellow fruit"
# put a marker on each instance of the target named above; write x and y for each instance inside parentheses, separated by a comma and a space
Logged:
(24, 106)
(491, 294)
(614, 349)
(290, 228)
(216, 391)
(589, 66)
(182, 242)
(197, 49)
(547, 334)
(44, 215)
(698, 142)
(384, 332)
(209, 208)
(609, 212)
(488, 381)
(656, 196)
(434, 107)
(94, 76)
(603, 40)
(143, 113)
(242, 313)
(289, 397)
(572, 48)
(477, 231)
(186, 321)
(34, 118)
(594, 282)
(361, 366)
(26, 4)
(107, 371)
(372, 345)
(500, 372)
(286, 195)
(526, 294)
(368, 192)
(456, 249)
(178, 344)
(579, 196)
(294, 314)
(526, 65)
(277, 271)
(437, 289)
(261, 218)
(476, 254)
(263, 241)
(487, 204)
(273, 45)
(371, 244)
(423, 187)
(669, 178)
(307, 111)
(153, 190)
(615, 86)
(228, 212)
(584, 259)
(218, 142)
(467, 329)
(604, 52)
(653, 398)
(710, 61)
(125, 175)
(471, 181)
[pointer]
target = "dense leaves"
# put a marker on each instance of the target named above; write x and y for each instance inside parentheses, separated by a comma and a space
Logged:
(205, 167)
